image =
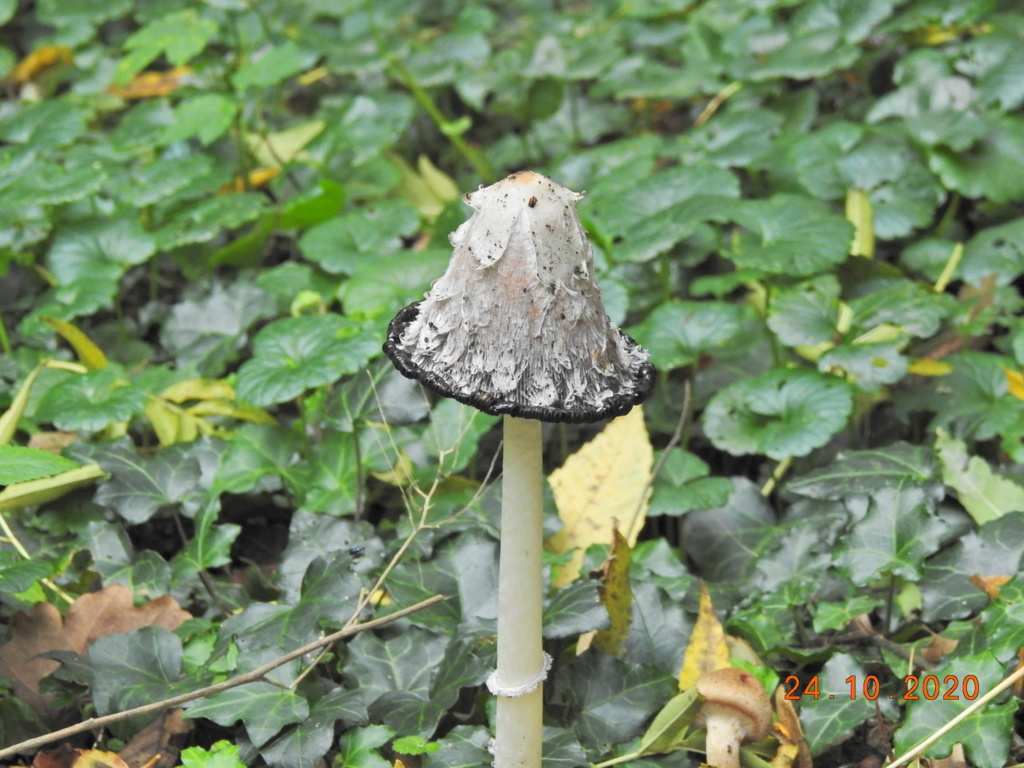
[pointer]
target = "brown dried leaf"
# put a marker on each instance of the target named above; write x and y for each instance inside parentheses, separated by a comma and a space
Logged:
(989, 584)
(789, 733)
(53, 442)
(61, 756)
(938, 647)
(159, 744)
(97, 758)
(149, 85)
(97, 614)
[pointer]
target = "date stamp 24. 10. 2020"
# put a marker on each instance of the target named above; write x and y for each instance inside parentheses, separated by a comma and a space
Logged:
(928, 687)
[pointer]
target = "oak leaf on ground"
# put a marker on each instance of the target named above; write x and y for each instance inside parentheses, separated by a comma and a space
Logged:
(109, 611)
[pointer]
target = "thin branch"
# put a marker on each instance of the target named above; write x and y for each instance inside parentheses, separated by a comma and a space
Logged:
(234, 682)
(676, 438)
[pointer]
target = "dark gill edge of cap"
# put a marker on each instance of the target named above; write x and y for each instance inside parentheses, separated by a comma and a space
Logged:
(617, 405)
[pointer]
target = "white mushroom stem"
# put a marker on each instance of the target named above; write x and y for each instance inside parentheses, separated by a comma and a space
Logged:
(723, 742)
(522, 664)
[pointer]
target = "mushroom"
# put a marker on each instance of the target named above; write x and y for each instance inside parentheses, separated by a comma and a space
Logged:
(516, 328)
(736, 709)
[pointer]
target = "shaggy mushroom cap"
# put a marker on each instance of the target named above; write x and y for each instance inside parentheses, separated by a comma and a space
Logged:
(736, 709)
(516, 326)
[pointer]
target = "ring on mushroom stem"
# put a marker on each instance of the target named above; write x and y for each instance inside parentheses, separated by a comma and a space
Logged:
(515, 327)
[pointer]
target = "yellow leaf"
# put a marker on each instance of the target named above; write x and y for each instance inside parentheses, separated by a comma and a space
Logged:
(860, 214)
(151, 85)
(1015, 381)
(164, 420)
(273, 150)
(10, 418)
(707, 650)
(253, 180)
(617, 596)
(925, 367)
(89, 354)
(199, 389)
(604, 481)
(231, 410)
(33, 492)
(39, 61)
(440, 183)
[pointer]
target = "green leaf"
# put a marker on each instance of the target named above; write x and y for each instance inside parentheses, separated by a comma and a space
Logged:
(210, 545)
(573, 610)
(391, 281)
(894, 537)
(358, 747)
(834, 713)
(53, 184)
(298, 353)
(45, 125)
(861, 473)
(180, 36)
(90, 401)
(264, 708)
(18, 465)
(867, 366)
(160, 179)
(993, 168)
(207, 116)
(256, 451)
(18, 574)
(781, 413)
(676, 333)
(135, 668)
(807, 313)
(790, 235)
(367, 125)
(995, 251)
(613, 699)
(985, 735)
(405, 663)
(304, 745)
(273, 66)
(343, 244)
(208, 332)
(108, 244)
(204, 220)
(682, 485)
(328, 480)
(223, 754)
(86, 14)
(995, 549)
(140, 487)
(985, 495)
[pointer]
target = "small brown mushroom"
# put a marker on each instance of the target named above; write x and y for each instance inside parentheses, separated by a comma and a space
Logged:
(736, 709)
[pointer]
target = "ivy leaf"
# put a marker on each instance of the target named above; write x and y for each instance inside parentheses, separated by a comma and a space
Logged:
(18, 465)
(342, 244)
(297, 353)
(327, 480)
(894, 537)
(985, 735)
(223, 754)
(573, 610)
(207, 332)
(985, 495)
(304, 745)
(142, 486)
(995, 549)
(404, 663)
(613, 699)
(790, 235)
(781, 413)
(264, 708)
(676, 333)
(834, 713)
(860, 473)
(136, 668)
(358, 747)
(210, 545)
(90, 401)
(256, 451)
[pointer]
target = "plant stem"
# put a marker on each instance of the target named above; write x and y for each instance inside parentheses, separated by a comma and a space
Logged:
(521, 659)
(5, 342)
(426, 101)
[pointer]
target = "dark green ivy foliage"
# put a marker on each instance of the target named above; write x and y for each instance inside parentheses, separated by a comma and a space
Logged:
(809, 212)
